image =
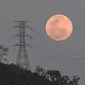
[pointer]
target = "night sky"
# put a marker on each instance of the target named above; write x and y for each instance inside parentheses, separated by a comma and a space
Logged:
(68, 56)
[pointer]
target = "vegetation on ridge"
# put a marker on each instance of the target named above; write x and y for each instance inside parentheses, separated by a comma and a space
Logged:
(13, 75)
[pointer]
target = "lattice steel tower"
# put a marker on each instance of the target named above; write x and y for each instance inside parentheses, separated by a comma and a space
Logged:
(22, 59)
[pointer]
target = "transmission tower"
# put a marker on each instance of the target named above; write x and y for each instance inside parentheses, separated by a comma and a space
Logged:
(22, 59)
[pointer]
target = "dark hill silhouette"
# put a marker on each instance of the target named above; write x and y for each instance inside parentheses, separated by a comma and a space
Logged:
(13, 75)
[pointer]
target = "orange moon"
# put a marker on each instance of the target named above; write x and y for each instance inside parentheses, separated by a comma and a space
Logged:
(59, 27)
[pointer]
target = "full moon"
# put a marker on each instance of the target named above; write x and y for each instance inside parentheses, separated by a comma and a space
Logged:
(59, 27)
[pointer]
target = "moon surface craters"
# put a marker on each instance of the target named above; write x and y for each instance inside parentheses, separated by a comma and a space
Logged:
(59, 33)
(59, 27)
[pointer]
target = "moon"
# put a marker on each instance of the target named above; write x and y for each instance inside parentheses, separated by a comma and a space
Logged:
(59, 27)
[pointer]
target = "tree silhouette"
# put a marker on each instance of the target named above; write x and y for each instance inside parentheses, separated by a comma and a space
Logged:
(3, 51)
(56, 78)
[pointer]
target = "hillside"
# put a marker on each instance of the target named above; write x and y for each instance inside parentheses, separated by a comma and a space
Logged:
(13, 75)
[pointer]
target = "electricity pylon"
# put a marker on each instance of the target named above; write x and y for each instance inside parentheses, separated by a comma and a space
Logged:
(22, 59)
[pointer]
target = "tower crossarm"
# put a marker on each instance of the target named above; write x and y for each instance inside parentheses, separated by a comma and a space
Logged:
(26, 21)
(26, 35)
(19, 44)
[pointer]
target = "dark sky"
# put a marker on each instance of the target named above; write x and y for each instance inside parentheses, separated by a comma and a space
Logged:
(68, 55)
